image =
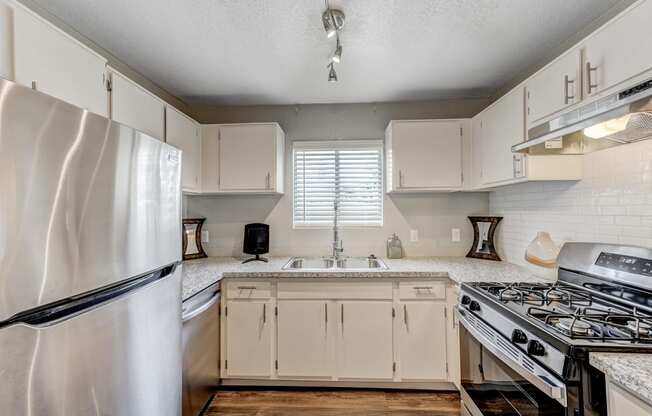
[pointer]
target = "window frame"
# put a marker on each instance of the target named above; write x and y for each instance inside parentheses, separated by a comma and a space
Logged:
(340, 144)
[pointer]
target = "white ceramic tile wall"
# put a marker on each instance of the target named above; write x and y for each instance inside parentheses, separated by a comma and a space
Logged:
(613, 204)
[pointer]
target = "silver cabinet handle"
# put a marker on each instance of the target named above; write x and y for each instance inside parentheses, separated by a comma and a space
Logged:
(342, 315)
(400, 179)
(264, 313)
(589, 84)
(405, 317)
(268, 181)
(326, 313)
(247, 287)
(567, 82)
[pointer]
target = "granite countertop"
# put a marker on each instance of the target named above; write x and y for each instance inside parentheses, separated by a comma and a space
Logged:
(201, 273)
(633, 372)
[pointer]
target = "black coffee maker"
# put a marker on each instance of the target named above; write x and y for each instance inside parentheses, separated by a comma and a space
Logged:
(256, 241)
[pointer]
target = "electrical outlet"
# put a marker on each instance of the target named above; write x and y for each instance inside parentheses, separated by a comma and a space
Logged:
(205, 236)
(456, 235)
(414, 236)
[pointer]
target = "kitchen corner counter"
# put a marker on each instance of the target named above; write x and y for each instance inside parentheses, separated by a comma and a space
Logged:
(633, 372)
(201, 273)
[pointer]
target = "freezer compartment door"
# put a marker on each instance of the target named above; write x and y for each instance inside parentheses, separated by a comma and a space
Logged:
(84, 201)
(121, 357)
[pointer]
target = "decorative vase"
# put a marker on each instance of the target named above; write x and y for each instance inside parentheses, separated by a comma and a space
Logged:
(542, 251)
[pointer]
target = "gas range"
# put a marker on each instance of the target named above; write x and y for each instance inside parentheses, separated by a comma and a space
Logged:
(542, 333)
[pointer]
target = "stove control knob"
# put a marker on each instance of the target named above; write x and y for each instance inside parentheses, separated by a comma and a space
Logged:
(535, 348)
(519, 337)
(465, 300)
(474, 306)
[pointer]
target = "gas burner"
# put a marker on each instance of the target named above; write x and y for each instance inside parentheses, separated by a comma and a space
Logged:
(642, 328)
(555, 295)
(573, 326)
(509, 294)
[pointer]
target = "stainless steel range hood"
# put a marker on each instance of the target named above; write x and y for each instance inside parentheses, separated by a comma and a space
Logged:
(623, 117)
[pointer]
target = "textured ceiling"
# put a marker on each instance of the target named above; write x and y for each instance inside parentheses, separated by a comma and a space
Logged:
(275, 51)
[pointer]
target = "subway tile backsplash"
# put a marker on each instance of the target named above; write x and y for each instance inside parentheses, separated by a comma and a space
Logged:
(611, 204)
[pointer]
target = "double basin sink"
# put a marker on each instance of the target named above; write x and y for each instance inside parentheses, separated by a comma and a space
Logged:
(331, 263)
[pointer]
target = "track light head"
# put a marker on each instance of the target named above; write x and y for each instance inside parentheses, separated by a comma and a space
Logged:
(333, 21)
(332, 75)
(337, 55)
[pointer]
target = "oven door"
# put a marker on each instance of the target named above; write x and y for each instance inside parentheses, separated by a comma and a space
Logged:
(499, 379)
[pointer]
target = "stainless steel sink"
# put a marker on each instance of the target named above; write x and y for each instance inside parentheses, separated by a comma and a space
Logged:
(329, 263)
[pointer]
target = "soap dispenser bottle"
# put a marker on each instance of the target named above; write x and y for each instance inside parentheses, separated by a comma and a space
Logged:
(394, 247)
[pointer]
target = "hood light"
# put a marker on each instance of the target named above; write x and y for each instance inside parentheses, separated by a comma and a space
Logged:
(607, 128)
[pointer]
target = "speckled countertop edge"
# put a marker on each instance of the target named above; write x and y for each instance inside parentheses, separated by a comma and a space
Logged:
(633, 372)
(201, 273)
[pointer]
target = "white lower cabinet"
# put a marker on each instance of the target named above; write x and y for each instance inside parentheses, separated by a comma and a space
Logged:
(305, 338)
(422, 349)
(248, 346)
(337, 331)
(365, 340)
(622, 403)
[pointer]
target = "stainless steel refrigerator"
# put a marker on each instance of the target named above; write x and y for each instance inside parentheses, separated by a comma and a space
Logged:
(90, 291)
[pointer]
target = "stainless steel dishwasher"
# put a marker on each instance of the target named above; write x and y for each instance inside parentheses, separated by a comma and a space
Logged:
(201, 349)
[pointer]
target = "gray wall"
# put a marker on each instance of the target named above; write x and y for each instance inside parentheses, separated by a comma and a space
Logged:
(433, 215)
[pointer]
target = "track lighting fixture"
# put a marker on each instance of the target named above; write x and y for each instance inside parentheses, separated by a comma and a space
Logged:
(333, 21)
(337, 55)
(332, 75)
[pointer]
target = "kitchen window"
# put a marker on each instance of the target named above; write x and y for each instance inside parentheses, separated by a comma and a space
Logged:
(344, 173)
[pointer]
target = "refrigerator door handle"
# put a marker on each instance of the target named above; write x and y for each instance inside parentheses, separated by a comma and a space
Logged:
(69, 308)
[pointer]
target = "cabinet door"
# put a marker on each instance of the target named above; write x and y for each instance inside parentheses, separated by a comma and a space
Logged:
(426, 154)
(6, 41)
(612, 52)
(621, 402)
(247, 157)
(422, 341)
(554, 88)
(248, 340)
(183, 133)
(210, 149)
(57, 64)
(365, 340)
(503, 125)
(305, 338)
(133, 106)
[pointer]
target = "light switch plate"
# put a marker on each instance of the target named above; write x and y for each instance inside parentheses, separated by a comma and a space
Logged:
(456, 235)
(414, 236)
(205, 236)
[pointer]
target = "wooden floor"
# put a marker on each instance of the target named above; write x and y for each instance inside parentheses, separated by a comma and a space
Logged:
(333, 402)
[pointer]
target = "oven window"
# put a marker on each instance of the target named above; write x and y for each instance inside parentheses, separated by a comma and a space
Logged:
(497, 390)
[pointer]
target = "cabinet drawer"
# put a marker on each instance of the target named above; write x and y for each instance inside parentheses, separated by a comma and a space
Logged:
(422, 290)
(335, 290)
(248, 290)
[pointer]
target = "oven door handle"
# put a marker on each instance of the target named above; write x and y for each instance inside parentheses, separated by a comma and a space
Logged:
(554, 391)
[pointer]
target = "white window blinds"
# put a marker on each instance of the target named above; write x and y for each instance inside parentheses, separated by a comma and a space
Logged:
(348, 172)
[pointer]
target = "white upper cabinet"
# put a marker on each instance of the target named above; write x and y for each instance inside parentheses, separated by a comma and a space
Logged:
(501, 126)
(136, 107)
(183, 133)
(424, 155)
(555, 87)
(613, 55)
(6, 41)
(251, 158)
(58, 65)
